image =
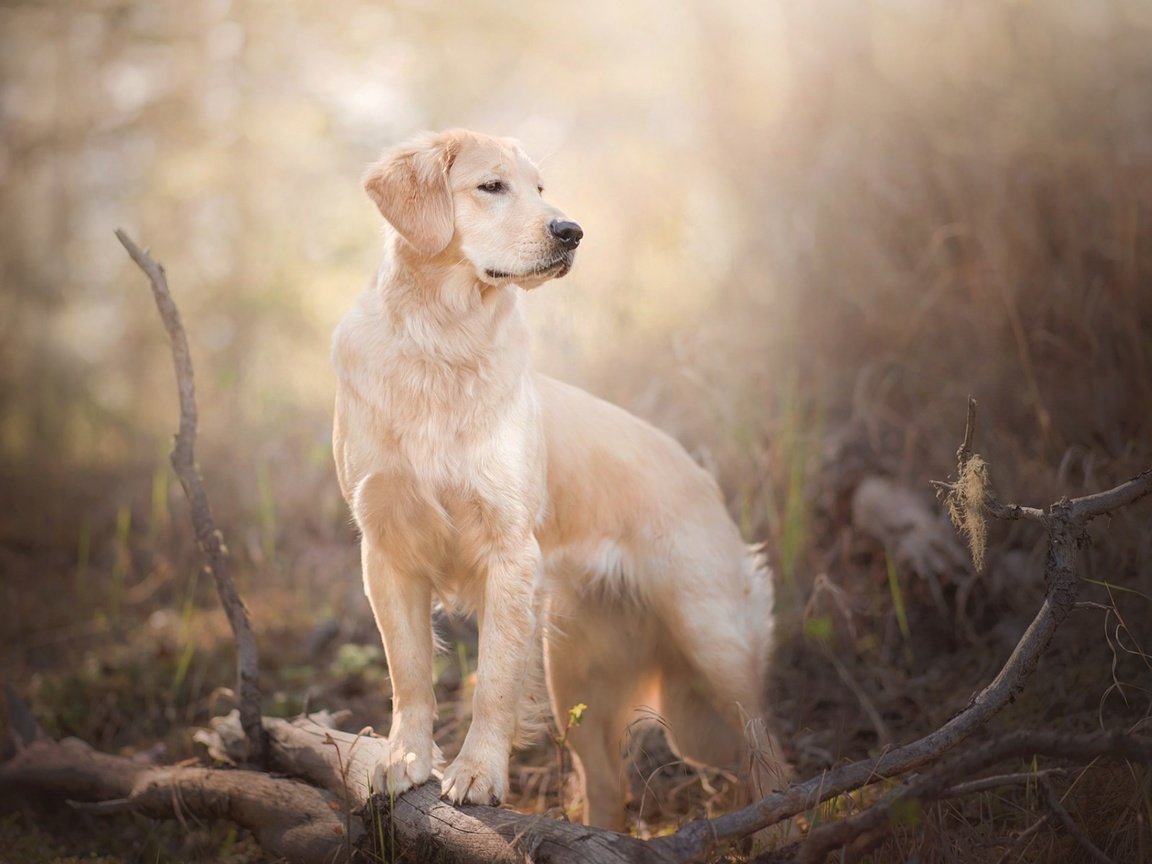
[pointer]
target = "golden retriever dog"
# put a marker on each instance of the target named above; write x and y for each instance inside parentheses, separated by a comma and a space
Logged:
(569, 526)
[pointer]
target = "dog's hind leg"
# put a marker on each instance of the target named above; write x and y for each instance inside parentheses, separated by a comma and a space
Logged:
(726, 732)
(729, 733)
(712, 687)
(588, 663)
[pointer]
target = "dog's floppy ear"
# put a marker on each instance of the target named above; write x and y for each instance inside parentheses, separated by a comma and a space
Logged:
(410, 186)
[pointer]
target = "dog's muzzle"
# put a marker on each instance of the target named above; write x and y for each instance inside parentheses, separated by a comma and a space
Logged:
(567, 236)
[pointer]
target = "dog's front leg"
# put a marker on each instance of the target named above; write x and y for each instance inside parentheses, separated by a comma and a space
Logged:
(402, 604)
(507, 627)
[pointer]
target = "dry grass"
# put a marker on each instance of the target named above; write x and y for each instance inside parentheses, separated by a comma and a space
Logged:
(912, 204)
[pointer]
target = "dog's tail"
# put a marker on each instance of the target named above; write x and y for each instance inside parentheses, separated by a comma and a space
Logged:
(759, 591)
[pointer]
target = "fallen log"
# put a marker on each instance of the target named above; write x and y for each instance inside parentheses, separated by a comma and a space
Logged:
(297, 821)
(418, 825)
(331, 818)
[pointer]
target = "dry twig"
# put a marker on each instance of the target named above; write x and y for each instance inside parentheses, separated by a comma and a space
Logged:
(1065, 523)
(1055, 805)
(984, 784)
(209, 539)
(933, 784)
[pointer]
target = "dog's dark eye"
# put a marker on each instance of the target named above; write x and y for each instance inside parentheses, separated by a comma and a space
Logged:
(540, 189)
(493, 187)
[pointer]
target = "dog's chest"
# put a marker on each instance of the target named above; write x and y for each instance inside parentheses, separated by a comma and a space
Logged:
(448, 434)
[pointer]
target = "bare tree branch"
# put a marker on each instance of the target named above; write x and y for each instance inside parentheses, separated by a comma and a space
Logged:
(696, 840)
(1070, 825)
(1010, 512)
(288, 818)
(965, 451)
(934, 783)
(331, 821)
(420, 825)
(998, 781)
(1065, 523)
(209, 539)
(1129, 492)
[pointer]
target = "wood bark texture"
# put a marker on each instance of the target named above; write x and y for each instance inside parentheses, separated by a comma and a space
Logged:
(208, 538)
(419, 826)
(288, 818)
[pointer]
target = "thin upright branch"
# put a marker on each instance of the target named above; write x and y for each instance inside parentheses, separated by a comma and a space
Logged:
(965, 452)
(208, 538)
(989, 501)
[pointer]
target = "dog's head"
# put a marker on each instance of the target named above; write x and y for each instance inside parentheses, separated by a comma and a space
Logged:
(479, 199)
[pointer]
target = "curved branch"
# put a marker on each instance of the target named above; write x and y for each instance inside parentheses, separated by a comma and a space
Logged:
(420, 825)
(984, 784)
(1065, 523)
(289, 818)
(1129, 492)
(208, 538)
(1070, 825)
(696, 840)
(937, 782)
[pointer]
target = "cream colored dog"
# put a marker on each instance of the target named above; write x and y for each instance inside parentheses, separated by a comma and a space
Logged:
(498, 490)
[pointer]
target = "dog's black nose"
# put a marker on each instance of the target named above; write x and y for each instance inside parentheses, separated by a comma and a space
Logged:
(568, 233)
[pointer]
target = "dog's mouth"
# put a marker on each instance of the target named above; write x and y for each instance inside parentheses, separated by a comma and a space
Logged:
(553, 269)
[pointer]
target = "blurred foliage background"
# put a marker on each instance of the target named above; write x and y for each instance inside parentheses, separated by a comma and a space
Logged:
(812, 230)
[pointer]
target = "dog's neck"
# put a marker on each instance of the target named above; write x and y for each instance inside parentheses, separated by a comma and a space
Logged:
(445, 284)
(439, 308)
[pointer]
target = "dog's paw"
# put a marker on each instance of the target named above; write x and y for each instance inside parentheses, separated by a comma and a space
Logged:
(405, 766)
(475, 781)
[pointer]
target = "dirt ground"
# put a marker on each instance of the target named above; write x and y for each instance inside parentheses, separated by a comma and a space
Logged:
(137, 656)
(814, 230)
